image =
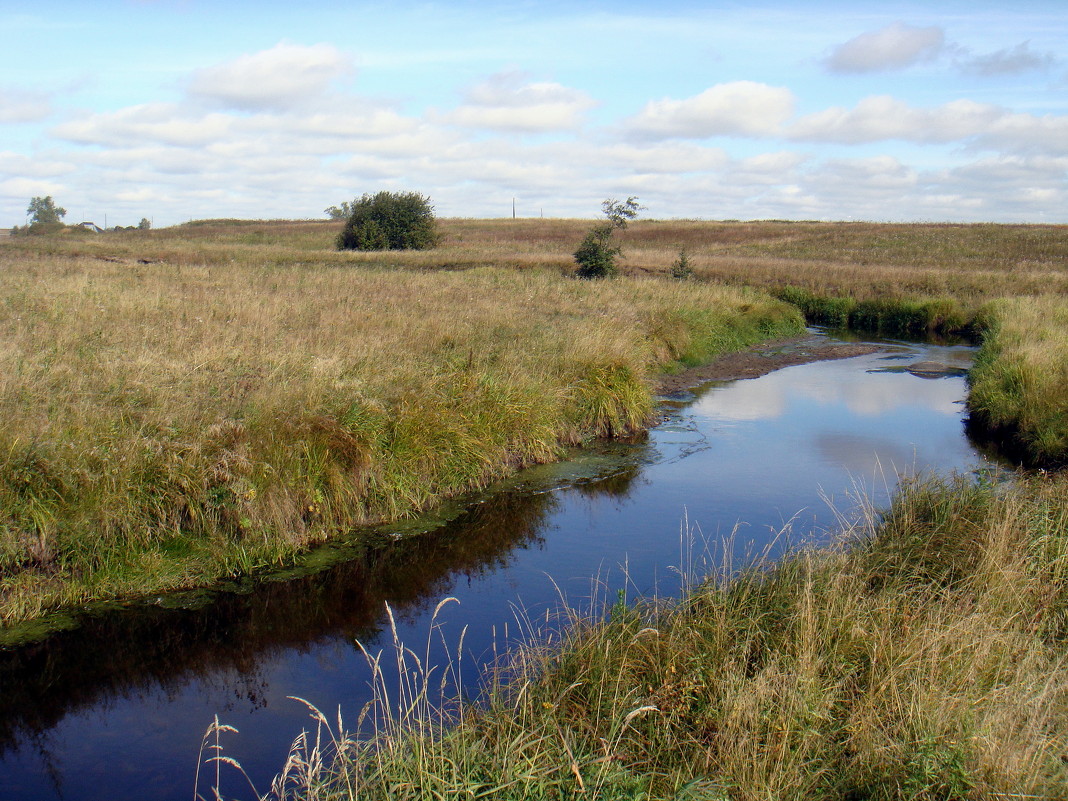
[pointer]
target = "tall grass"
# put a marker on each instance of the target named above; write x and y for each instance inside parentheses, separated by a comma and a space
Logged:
(924, 658)
(167, 424)
(1019, 385)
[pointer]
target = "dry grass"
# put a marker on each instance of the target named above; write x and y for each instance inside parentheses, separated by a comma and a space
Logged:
(171, 393)
(863, 260)
(170, 423)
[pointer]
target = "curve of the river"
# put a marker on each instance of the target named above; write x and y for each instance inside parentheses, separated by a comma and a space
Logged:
(115, 708)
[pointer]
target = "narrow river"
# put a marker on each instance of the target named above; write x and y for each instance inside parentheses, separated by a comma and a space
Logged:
(115, 708)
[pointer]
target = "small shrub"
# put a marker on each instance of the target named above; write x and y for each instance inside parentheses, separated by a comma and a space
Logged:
(681, 269)
(596, 256)
(389, 221)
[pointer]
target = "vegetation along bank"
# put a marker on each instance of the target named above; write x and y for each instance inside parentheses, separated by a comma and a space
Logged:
(921, 658)
(170, 423)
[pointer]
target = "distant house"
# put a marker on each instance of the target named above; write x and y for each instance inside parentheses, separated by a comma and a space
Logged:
(91, 226)
(5, 232)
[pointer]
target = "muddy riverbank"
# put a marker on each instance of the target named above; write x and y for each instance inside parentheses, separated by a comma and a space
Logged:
(762, 359)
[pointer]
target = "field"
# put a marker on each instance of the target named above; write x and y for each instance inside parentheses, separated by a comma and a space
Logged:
(208, 415)
(210, 399)
(907, 279)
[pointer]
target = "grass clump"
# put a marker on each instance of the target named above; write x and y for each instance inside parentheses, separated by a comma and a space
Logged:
(1019, 384)
(926, 660)
(170, 424)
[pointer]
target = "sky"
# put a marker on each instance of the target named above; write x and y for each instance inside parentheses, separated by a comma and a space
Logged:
(175, 110)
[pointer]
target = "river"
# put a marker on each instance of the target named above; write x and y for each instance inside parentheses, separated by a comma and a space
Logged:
(115, 707)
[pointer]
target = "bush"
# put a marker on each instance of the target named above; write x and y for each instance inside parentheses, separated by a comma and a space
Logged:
(389, 221)
(681, 269)
(596, 256)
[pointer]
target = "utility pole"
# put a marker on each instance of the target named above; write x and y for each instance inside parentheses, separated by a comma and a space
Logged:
(513, 208)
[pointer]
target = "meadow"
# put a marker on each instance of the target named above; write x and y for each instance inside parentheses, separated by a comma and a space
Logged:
(199, 416)
(899, 280)
(211, 399)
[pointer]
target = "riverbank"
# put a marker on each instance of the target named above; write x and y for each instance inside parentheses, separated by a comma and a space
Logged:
(923, 656)
(168, 425)
(760, 359)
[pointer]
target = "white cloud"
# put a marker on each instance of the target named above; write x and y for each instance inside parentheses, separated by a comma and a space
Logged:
(665, 158)
(18, 164)
(22, 189)
(505, 102)
(351, 124)
(18, 106)
(741, 108)
(893, 47)
(1010, 61)
(766, 168)
(877, 174)
(883, 117)
(167, 123)
(977, 125)
(1026, 133)
(286, 76)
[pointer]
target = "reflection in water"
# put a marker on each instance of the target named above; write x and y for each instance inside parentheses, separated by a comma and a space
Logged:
(150, 648)
(875, 391)
(115, 709)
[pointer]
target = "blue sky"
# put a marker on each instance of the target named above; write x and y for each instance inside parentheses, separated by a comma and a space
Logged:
(185, 109)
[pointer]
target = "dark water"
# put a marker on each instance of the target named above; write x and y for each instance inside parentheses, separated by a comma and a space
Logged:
(116, 707)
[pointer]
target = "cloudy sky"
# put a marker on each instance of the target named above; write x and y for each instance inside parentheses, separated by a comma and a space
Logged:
(182, 109)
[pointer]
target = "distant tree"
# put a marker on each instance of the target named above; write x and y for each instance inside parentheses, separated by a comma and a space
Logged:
(145, 224)
(342, 212)
(389, 221)
(43, 211)
(597, 256)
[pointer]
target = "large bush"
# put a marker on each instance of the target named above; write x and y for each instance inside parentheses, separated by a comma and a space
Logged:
(389, 221)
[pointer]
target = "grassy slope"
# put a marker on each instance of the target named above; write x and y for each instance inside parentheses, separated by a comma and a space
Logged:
(170, 423)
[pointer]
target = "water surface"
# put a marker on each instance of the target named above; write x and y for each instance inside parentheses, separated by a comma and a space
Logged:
(115, 708)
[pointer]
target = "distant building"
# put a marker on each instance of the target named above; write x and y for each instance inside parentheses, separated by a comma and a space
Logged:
(91, 226)
(5, 232)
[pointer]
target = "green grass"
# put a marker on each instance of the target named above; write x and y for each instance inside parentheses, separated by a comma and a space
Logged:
(1019, 385)
(176, 399)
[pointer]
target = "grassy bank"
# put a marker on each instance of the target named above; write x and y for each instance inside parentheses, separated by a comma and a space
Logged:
(167, 424)
(1019, 385)
(926, 658)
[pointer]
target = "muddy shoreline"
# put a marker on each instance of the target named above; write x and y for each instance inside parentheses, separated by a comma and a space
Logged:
(759, 360)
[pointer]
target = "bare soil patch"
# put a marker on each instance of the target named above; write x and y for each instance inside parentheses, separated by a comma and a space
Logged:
(760, 360)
